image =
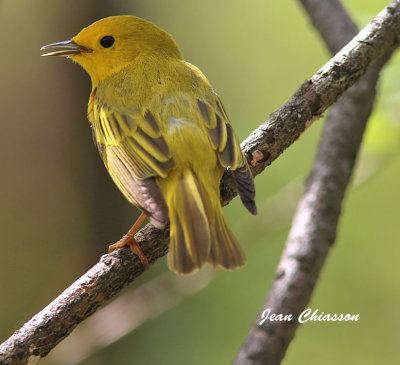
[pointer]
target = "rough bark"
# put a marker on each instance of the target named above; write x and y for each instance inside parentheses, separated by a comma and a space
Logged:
(315, 223)
(314, 96)
(116, 270)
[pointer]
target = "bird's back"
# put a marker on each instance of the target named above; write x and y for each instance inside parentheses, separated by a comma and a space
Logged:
(164, 136)
(166, 139)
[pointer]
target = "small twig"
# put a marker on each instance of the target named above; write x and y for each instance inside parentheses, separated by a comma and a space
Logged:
(314, 227)
(116, 270)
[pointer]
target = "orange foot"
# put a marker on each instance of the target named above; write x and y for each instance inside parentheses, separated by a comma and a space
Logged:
(129, 239)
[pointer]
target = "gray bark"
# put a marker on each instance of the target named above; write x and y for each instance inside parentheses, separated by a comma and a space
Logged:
(116, 270)
(315, 223)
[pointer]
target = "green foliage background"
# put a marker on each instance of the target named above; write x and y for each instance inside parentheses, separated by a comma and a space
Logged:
(59, 209)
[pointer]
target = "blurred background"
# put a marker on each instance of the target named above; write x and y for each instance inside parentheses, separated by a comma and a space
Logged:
(59, 210)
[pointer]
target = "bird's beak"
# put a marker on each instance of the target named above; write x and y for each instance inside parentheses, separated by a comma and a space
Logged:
(66, 48)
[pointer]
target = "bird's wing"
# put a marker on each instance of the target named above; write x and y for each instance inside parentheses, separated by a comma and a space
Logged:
(220, 131)
(134, 152)
(224, 141)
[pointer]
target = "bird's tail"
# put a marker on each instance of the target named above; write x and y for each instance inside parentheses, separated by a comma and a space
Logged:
(198, 231)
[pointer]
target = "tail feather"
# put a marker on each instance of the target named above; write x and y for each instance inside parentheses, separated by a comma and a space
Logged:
(198, 231)
(179, 258)
(190, 237)
(245, 184)
(225, 249)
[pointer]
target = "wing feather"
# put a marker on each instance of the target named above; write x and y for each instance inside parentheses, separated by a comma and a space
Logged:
(150, 125)
(156, 146)
(220, 131)
(224, 141)
(134, 152)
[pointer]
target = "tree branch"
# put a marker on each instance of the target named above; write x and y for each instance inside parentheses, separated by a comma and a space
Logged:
(314, 96)
(314, 226)
(116, 270)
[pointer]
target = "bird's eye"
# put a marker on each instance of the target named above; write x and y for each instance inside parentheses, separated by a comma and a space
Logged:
(107, 41)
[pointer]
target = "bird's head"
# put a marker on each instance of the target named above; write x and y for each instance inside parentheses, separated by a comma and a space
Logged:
(110, 44)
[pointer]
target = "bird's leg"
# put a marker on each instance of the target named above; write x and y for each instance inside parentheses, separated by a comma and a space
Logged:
(129, 239)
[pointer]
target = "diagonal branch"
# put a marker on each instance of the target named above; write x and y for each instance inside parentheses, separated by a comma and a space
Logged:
(314, 96)
(116, 270)
(315, 223)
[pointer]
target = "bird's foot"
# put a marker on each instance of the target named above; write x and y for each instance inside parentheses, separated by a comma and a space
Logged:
(129, 239)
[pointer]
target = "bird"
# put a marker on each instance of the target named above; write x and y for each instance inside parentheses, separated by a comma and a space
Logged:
(164, 137)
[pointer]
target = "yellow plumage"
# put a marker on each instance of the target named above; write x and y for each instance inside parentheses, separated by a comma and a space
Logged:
(164, 136)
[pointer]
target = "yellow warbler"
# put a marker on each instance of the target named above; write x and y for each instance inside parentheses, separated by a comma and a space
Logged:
(164, 137)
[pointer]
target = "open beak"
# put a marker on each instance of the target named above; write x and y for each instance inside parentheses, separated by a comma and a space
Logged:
(66, 48)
